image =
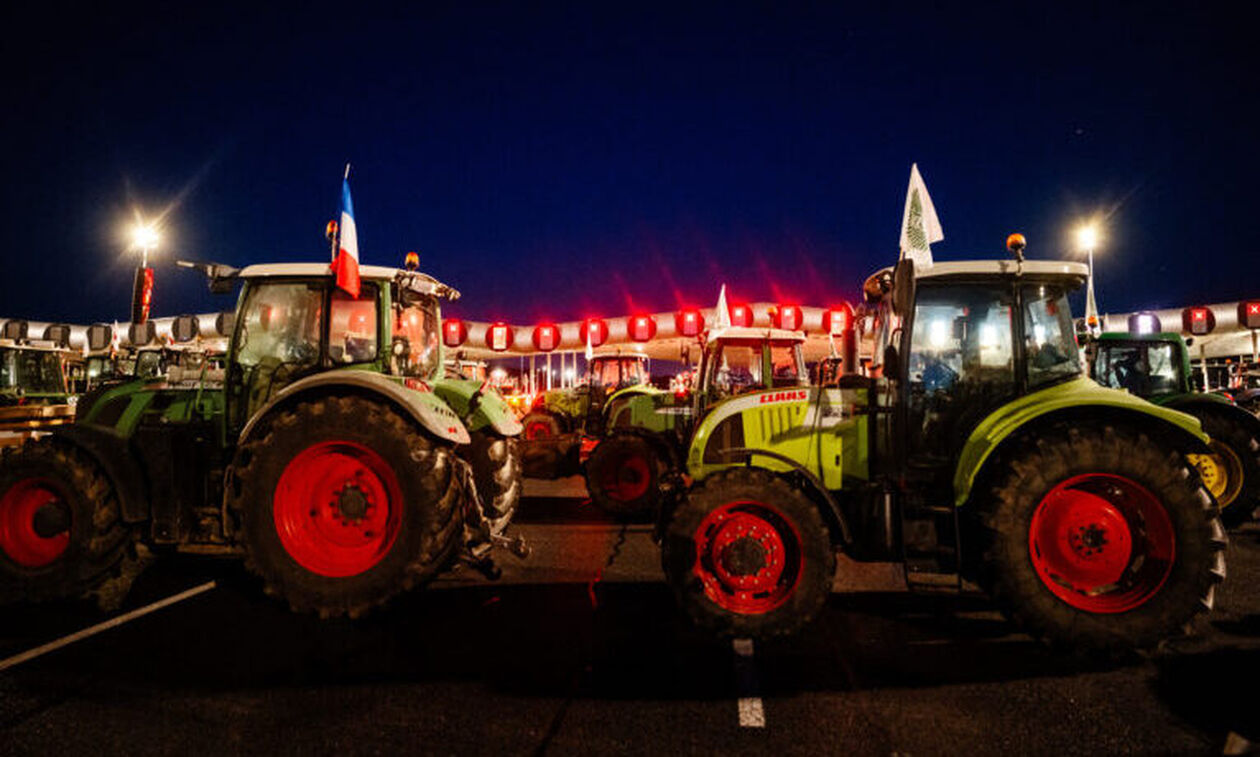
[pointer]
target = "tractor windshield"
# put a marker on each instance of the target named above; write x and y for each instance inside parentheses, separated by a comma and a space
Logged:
(280, 324)
(617, 372)
(415, 334)
(1145, 369)
(739, 366)
(1049, 337)
(33, 371)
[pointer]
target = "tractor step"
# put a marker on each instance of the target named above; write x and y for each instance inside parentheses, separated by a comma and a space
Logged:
(932, 583)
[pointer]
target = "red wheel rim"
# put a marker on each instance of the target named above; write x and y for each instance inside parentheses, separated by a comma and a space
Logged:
(1102, 543)
(748, 557)
(338, 508)
(18, 537)
(538, 430)
(627, 479)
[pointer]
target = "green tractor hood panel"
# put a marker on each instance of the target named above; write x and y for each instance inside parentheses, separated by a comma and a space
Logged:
(492, 409)
(1075, 394)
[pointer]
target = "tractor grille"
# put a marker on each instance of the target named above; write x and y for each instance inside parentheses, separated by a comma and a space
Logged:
(779, 419)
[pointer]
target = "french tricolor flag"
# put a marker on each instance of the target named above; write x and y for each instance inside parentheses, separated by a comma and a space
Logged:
(346, 266)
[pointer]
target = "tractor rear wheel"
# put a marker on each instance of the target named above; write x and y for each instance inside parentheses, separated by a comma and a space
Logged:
(496, 464)
(1099, 539)
(344, 504)
(60, 533)
(1232, 471)
(623, 476)
(540, 424)
(748, 555)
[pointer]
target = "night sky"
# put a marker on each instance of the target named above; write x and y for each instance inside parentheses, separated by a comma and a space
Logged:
(566, 161)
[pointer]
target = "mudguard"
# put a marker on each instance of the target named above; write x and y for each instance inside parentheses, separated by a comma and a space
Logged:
(492, 410)
(1079, 397)
(422, 404)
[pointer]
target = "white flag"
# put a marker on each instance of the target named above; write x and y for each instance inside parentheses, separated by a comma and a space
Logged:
(919, 225)
(589, 352)
(723, 314)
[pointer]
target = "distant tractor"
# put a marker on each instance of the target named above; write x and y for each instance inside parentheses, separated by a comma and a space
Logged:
(330, 453)
(36, 391)
(1156, 367)
(647, 435)
(608, 378)
(983, 453)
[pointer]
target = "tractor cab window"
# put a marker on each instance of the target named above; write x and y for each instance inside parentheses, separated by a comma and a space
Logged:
(352, 326)
(1141, 368)
(961, 362)
(33, 371)
(415, 334)
(1049, 336)
(787, 365)
(280, 325)
(148, 364)
(734, 368)
(617, 373)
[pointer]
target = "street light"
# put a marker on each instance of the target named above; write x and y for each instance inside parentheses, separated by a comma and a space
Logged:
(144, 237)
(1087, 240)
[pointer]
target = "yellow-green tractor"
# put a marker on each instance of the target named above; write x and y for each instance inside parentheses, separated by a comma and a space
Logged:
(982, 453)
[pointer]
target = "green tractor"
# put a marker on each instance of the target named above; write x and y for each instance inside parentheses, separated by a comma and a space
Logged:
(644, 447)
(1156, 367)
(331, 453)
(609, 379)
(32, 374)
(983, 453)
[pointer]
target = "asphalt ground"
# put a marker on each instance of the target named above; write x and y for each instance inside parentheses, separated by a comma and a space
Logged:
(579, 650)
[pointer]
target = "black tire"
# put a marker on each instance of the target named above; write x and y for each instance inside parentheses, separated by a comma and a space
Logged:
(785, 604)
(302, 567)
(623, 476)
(1237, 460)
(496, 464)
(84, 528)
(1150, 599)
(541, 425)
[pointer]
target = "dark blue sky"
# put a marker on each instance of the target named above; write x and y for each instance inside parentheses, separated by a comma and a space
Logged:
(561, 161)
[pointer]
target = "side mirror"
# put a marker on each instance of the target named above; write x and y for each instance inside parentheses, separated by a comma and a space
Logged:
(903, 287)
(892, 362)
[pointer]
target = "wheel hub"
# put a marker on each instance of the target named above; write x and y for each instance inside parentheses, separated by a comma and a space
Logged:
(353, 503)
(34, 523)
(51, 519)
(744, 557)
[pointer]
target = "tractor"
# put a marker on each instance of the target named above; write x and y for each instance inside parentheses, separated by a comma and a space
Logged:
(330, 453)
(1156, 367)
(644, 447)
(609, 378)
(981, 454)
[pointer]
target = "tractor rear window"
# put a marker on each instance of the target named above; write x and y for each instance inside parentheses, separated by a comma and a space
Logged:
(280, 324)
(352, 327)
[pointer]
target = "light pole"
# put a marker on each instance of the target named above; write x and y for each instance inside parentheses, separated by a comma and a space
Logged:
(144, 237)
(1087, 240)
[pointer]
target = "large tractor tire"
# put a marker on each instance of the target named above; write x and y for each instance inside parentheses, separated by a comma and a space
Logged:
(623, 476)
(748, 555)
(60, 533)
(1232, 471)
(1100, 540)
(343, 504)
(496, 464)
(541, 425)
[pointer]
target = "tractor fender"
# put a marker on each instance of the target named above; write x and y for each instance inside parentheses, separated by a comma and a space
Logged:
(1078, 400)
(492, 410)
(113, 454)
(423, 405)
(1198, 405)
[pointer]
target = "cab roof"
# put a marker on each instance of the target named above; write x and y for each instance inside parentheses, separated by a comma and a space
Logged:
(1031, 268)
(421, 282)
(1124, 336)
(751, 332)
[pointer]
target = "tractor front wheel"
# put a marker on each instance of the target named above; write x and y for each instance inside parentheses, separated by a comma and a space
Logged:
(748, 555)
(344, 504)
(60, 533)
(623, 476)
(1232, 471)
(1100, 539)
(541, 425)
(496, 464)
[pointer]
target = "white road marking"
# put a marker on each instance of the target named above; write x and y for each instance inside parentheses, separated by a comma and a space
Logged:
(65, 641)
(752, 713)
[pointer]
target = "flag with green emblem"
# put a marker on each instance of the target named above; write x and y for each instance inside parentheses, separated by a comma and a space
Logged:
(919, 226)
